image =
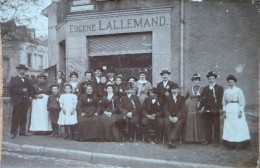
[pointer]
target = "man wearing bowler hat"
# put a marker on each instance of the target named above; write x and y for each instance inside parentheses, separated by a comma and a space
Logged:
(211, 105)
(174, 113)
(165, 86)
(20, 91)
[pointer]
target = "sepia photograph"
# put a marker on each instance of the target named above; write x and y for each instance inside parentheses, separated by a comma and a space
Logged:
(130, 83)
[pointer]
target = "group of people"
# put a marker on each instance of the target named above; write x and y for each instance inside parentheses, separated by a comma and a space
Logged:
(104, 107)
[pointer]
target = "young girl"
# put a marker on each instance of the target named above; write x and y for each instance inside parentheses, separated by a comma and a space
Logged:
(68, 114)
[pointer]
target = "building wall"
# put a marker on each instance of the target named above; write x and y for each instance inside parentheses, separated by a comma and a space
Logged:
(224, 37)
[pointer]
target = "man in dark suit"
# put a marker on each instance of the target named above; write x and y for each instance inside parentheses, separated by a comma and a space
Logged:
(20, 90)
(97, 74)
(211, 105)
(152, 114)
(174, 113)
(130, 107)
(88, 81)
(165, 86)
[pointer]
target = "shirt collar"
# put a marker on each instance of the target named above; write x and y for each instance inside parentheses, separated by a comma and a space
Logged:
(212, 85)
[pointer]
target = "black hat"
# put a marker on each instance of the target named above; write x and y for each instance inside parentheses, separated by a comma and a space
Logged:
(165, 71)
(143, 72)
(67, 84)
(74, 73)
(109, 85)
(132, 77)
(41, 75)
(211, 73)
(22, 66)
(231, 77)
(55, 84)
(154, 90)
(97, 68)
(196, 76)
(174, 86)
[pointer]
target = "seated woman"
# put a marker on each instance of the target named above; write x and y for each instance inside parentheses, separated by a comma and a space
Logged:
(109, 109)
(88, 109)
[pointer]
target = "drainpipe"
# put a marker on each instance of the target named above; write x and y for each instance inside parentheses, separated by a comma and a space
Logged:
(182, 47)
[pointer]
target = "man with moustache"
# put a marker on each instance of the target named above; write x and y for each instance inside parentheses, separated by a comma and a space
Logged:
(97, 75)
(165, 86)
(20, 90)
(174, 113)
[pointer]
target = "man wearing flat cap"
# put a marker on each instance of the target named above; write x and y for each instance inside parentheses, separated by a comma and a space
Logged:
(211, 105)
(174, 115)
(20, 90)
(165, 85)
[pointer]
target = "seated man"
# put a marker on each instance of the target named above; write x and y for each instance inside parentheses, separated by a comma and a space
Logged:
(130, 108)
(152, 112)
(174, 115)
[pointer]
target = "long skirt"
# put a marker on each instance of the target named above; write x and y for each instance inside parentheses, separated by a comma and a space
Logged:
(235, 129)
(108, 125)
(40, 120)
(90, 127)
(194, 131)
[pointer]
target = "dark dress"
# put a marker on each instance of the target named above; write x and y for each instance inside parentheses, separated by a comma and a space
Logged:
(101, 90)
(110, 129)
(89, 124)
(194, 129)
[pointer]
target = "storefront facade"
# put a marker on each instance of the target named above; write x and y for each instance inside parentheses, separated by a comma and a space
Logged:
(182, 36)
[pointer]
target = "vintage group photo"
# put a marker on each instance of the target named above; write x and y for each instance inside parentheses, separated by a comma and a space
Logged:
(130, 83)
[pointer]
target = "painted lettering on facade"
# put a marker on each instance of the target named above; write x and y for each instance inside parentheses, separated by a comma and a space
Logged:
(131, 23)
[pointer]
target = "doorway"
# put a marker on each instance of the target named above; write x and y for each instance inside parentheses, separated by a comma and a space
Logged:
(126, 65)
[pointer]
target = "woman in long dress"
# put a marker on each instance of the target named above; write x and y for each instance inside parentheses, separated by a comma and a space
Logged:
(40, 120)
(235, 130)
(142, 86)
(109, 109)
(194, 131)
(88, 109)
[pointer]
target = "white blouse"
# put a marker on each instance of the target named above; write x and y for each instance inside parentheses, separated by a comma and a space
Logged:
(234, 94)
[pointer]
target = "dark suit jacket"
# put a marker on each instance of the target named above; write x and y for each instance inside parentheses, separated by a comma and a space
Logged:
(16, 90)
(149, 109)
(174, 109)
(127, 105)
(219, 95)
(163, 90)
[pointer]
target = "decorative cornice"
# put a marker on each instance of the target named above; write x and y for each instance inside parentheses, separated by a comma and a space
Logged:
(140, 11)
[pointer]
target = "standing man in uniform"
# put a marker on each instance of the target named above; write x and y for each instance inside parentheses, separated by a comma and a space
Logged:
(20, 90)
(211, 105)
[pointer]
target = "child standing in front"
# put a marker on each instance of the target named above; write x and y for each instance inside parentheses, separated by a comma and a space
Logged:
(68, 114)
(53, 107)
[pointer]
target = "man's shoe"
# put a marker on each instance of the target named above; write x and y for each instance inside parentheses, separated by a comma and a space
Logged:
(216, 144)
(12, 136)
(23, 134)
(206, 142)
(172, 144)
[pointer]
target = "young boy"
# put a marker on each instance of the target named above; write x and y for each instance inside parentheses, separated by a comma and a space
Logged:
(54, 109)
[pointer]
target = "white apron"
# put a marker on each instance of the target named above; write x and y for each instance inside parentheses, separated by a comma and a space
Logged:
(40, 120)
(235, 129)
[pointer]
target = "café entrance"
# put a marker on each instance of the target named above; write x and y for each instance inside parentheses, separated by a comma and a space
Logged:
(126, 65)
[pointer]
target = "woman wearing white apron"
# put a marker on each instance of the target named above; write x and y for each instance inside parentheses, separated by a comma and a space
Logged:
(235, 129)
(40, 120)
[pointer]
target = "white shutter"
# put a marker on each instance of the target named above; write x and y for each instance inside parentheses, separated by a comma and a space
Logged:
(131, 43)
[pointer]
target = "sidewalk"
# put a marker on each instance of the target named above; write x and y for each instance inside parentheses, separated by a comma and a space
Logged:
(129, 154)
(137, 154)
